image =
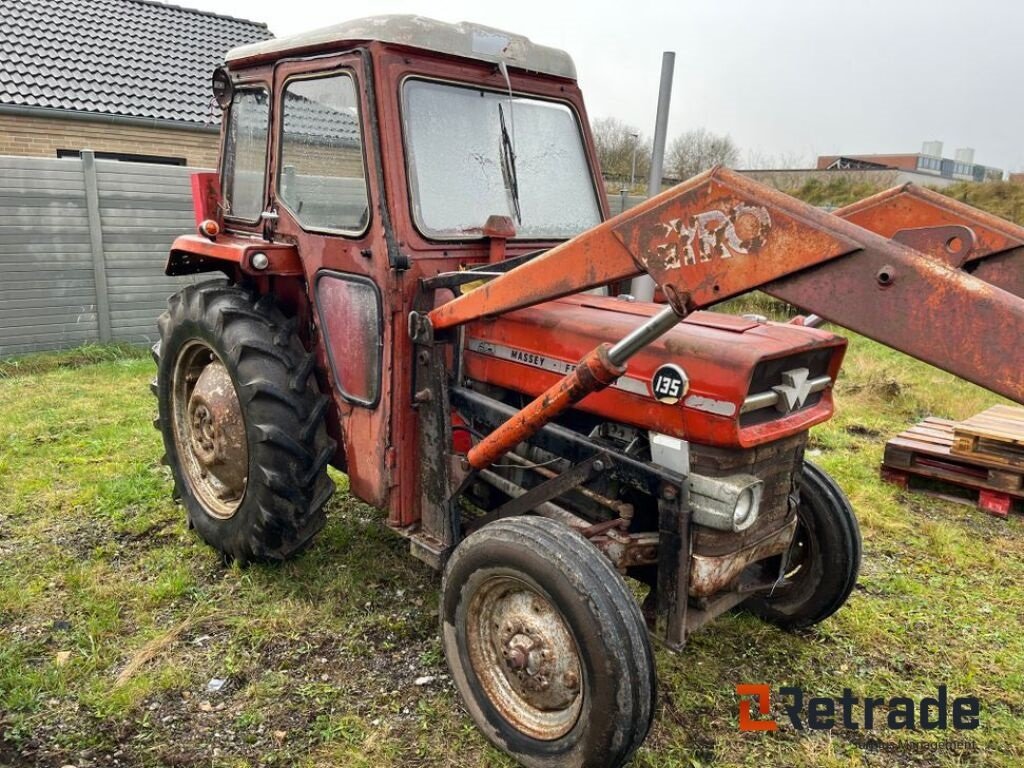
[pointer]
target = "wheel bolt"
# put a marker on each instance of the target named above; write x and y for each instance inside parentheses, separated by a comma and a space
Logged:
(517, 659)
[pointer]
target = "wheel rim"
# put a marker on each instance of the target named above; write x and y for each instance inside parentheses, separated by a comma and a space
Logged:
(525, 658)
(801, 550)
(803, 574)
(209, 430)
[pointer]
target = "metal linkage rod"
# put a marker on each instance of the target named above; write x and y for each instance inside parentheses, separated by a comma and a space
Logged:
(596, 371)
(643, 335)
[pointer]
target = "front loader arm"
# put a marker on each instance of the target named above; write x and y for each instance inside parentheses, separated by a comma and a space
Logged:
(719, 235)
(712, 237)
(927, 220)
(947, 231)
(921, 307)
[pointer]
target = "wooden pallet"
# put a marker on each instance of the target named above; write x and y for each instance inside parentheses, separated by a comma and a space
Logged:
(995, 435)
(925, 451)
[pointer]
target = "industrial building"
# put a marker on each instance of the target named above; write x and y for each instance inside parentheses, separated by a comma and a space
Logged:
(929, 162)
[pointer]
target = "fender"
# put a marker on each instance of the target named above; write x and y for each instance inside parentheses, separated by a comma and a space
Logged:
(227, 253)
(191, 254)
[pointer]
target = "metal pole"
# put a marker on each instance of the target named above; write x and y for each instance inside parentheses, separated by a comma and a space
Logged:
(632, 173)
(642, 288)
(643, 335)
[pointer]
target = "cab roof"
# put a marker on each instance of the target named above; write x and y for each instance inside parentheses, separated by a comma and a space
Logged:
(465, 39)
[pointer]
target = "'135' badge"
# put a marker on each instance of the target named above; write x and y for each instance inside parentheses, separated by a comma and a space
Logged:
(669, 384)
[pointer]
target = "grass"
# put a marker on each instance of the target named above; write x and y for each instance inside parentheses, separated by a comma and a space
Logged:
(114, 618)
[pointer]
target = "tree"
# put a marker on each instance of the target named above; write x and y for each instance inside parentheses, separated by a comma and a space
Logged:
(615, 142)
(695, 151)
(762, 161)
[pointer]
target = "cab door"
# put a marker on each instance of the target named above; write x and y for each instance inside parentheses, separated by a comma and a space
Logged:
(324, 184)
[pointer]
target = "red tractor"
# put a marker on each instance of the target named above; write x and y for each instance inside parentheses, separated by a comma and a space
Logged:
(425, 291)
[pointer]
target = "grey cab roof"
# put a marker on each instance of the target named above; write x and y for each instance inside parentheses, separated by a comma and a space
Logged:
(465, 39)
(127, 58)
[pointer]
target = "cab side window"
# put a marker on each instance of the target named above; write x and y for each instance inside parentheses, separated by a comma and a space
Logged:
(322, 178)
(245, 155)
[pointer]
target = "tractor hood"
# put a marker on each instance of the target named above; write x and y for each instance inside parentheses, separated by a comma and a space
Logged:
(716, 379)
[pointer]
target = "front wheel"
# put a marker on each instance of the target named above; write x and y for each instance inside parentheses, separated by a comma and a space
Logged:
(823, 561)
(547, 646)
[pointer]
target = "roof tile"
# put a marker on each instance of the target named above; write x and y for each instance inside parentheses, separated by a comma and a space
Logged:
(136, 58)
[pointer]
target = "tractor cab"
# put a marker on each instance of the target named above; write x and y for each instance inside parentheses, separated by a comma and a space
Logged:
(386, 150)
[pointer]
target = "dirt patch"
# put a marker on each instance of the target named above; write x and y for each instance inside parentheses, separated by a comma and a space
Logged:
(859, 430)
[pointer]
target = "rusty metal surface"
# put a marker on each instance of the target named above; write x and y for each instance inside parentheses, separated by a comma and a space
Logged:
(209, 430)
(623, 509)
(922, 307)
(952, 244)
(1005, 270)
(553, 487)
(710, 574)
(525, 657)
(720, 354)
(721, 234)
(997, 254)
(516, 492)
(910, 206)
(673, 579)
(627, 550)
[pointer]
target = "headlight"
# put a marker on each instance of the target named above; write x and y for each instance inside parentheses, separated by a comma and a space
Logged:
(725, 503)
(746, 507)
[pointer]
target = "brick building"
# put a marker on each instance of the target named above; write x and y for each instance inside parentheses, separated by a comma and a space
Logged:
(929, 162)
(128, 79)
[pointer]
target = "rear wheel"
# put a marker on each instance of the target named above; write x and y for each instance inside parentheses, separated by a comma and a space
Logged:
(823, 561)
(242, 422)
(547, 646)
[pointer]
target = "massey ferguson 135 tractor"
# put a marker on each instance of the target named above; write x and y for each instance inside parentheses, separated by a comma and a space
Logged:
(424, 290)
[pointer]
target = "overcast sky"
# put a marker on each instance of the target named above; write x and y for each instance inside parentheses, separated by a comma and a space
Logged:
(782, 77)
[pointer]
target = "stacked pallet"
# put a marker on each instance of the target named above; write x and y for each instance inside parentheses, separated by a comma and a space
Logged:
(982, 457)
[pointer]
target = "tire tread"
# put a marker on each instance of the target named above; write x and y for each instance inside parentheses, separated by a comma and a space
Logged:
(288, 485)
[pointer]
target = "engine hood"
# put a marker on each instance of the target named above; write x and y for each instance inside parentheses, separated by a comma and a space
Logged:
(749, 382)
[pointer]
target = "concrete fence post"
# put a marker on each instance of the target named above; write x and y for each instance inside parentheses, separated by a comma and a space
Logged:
(99, 259)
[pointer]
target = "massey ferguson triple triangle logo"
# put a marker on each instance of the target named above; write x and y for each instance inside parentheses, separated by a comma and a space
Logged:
(712, 234)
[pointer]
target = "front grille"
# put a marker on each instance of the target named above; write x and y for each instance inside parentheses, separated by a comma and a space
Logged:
(778, 465)
(786, 385)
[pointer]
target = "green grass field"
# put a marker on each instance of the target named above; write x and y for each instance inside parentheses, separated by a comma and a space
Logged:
(114, 618)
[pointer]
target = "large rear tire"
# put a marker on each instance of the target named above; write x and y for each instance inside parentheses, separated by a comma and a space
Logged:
(823, 560)
(547, 646)
(242, 421)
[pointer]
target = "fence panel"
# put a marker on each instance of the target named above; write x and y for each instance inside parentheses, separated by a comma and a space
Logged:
(47, 284)
(142, 209)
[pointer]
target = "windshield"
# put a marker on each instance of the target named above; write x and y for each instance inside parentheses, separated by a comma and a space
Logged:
(459, 163)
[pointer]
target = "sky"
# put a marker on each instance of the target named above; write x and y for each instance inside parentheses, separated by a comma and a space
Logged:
(784, 78)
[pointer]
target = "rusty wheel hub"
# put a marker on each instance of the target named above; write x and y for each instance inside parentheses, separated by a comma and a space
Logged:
(525, 657)
(210, 430)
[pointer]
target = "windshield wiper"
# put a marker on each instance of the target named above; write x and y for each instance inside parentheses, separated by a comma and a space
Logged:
(508, 166)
